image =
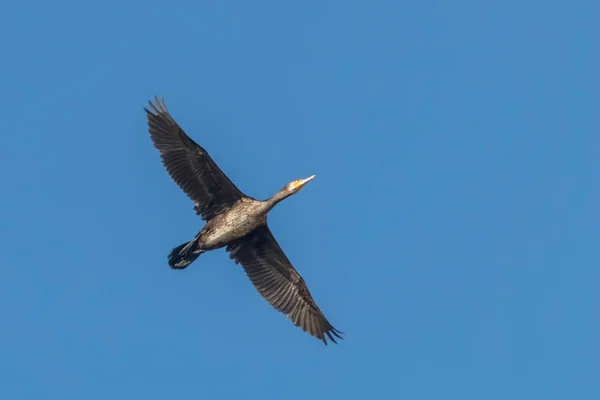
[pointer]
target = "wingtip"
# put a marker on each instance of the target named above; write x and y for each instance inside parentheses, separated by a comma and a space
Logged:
(336, 333)
(158, 106)
(160, 102)
(330, 334)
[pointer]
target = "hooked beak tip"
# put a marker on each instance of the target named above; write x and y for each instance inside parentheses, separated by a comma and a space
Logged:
(305, 181)
(310, 178)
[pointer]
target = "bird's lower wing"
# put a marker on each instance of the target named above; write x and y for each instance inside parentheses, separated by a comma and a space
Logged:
(273, 275)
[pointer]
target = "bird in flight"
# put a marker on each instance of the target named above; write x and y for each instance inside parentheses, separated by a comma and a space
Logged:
(236, 222)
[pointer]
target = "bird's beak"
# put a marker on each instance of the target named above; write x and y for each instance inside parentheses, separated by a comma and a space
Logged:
(305, 181)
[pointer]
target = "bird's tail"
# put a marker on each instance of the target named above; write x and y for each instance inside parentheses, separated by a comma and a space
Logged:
(184, 254)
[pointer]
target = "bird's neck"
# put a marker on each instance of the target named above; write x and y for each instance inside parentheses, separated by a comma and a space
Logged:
(272, 202)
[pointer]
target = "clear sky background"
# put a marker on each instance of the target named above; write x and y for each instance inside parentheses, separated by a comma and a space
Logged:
(452, 231)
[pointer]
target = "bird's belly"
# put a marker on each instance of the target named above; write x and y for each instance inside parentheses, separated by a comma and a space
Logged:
(223, 234)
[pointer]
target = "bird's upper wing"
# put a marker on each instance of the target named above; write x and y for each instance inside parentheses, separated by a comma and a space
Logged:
(189, 165)
(273, 275)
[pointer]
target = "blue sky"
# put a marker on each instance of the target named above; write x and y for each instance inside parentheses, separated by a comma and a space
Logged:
(451, 232)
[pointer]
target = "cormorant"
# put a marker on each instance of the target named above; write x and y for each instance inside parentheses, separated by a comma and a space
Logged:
(234, 221)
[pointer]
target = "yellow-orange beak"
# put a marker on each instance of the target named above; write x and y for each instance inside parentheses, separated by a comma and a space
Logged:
(300, 183)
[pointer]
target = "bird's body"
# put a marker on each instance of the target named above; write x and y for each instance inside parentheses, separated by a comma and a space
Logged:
(242, 218)
(234, 221)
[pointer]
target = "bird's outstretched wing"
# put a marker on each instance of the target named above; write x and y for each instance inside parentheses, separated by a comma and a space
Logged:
(273, 275)
(189, 165)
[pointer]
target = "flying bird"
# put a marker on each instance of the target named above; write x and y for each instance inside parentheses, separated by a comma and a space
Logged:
(236, 222)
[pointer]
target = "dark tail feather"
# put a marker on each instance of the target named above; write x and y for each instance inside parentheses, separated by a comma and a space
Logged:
(185, 254)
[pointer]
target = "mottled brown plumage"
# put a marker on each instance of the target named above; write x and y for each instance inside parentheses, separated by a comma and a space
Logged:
(234, 221)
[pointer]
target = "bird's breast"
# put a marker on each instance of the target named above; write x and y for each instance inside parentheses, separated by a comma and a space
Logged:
(230, 226)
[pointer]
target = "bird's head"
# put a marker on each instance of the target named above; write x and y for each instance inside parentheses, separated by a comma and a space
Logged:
(291, 188)
(295, 186)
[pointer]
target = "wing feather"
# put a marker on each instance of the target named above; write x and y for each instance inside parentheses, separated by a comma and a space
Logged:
(274, 277)
(190, 165)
